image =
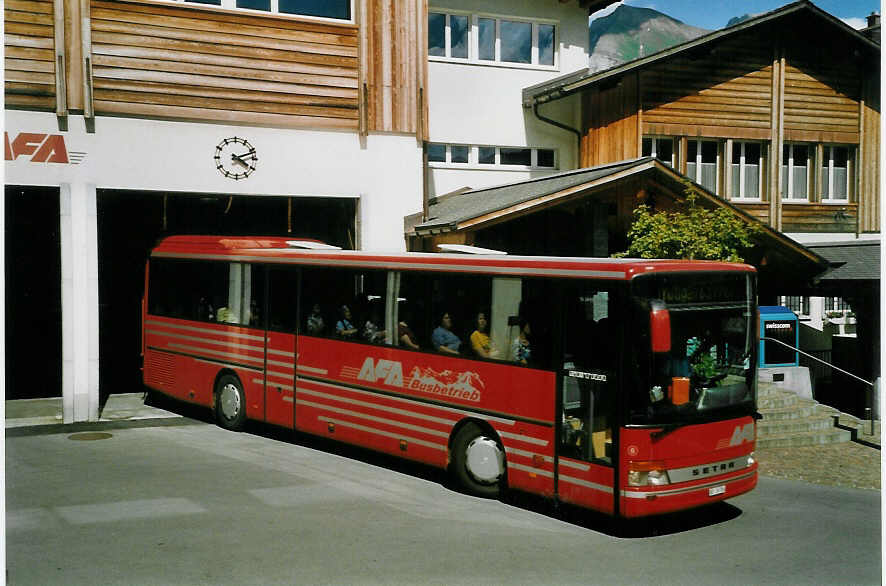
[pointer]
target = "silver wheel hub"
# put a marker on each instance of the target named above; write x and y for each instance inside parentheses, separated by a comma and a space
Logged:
(229, 399)
(484, 460)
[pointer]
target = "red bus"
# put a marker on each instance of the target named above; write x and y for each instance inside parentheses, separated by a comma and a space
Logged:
(621, 385)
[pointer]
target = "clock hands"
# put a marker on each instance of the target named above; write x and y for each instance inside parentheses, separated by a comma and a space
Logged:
(241, 158)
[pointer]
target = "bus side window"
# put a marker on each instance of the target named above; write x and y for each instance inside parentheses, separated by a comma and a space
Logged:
(244, 288)
(282, 296)
(370, 307)
(327, 291)
(412, 301)
(345, 304)
(536, 311)
(462, 298)
(186, 289)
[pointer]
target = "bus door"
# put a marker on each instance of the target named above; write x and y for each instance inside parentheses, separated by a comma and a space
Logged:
(585, 450)
(281, 352)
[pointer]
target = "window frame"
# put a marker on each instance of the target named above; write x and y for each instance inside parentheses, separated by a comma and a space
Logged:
(474, 158)
(737, 191)
(474, 40)
(718, 161)
(231, 6)
(799, 304)
(655, 139)
(788, 168)
(821, 166)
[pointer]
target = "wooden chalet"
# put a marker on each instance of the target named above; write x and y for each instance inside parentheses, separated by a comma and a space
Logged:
(779, 114)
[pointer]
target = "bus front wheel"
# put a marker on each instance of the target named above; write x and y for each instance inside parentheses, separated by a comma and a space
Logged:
(478, 461)
(230, 403)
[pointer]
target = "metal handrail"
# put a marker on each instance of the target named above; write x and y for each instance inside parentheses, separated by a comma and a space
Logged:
(870, 384)
(837, 368)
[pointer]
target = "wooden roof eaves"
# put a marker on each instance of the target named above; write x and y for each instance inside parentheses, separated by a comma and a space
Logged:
(568, 84)
(769, 233)
(436, 225)
(549, 200)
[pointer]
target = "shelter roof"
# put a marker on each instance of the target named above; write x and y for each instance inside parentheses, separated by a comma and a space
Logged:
(476, 209)
(854, 260)
(450, 212)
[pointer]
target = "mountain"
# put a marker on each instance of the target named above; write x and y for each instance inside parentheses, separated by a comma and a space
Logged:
(738, 19)
(629, 33)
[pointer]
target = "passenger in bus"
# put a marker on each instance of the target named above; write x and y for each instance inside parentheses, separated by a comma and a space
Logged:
(405, 335)
(520, 348)
(442, 339)
(315, 323)
(253, 318)
(204, 310)
(343, 327)
(481, 343)
(372, 332)
(226, 316)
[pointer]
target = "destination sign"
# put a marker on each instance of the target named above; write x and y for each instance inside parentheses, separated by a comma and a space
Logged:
(695, 289)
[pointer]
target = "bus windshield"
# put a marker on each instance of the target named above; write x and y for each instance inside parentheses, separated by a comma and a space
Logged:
(707, 370)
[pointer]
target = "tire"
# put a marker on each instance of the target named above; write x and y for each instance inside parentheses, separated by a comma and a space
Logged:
(230, 403)
(478, 462)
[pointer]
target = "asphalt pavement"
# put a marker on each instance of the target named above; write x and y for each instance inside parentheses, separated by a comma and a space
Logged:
(147, 496)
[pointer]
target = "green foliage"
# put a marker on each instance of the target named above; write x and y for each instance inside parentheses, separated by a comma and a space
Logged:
(696, 233)
(705, 367)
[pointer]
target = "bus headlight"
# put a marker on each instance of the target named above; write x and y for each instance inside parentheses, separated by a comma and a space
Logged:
(647, 477)
(751, 459)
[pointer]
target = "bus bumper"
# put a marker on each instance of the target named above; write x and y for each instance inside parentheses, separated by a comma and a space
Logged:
(643, 501)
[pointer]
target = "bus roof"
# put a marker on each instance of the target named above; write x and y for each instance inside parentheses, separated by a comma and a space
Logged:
(274, 249)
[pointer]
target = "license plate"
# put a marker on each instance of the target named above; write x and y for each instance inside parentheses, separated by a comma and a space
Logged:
(716, 490)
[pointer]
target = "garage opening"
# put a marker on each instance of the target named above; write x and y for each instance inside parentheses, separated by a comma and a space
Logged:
(33, 293)
(131, 222)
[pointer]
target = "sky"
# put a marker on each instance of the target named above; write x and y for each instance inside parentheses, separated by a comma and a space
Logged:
(713, 14)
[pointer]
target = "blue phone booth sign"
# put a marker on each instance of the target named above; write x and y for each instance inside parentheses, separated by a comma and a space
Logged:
(778, 323)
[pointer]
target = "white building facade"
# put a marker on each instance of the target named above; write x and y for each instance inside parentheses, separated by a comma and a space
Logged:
(391, 96)
(481, 55)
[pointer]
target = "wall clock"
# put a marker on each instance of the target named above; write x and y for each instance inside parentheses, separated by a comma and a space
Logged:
(235, 158)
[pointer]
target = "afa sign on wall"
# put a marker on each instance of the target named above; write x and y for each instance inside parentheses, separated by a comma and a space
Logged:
(40, 148)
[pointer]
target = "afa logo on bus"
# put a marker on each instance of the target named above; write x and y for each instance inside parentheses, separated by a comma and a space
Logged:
(466, 386)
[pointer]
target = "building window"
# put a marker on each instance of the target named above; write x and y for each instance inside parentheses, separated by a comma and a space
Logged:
(486, 157)
(448, 35)
(835, 174)
(448, 153)
(491, 40)
(334, 9)
(836, 304)
(660, 148)
(458, 153)
(437, 153)
(747, 172)
(795, 172)
(701, 163)
(799, 305)
(511, 156)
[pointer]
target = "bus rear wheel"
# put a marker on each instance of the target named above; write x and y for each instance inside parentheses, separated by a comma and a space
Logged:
(230, 403)
(478, 461)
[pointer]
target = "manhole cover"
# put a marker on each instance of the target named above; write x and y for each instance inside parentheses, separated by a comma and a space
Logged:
(90, 436)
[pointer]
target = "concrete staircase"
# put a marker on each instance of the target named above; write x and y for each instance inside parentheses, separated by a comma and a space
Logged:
(791, 421)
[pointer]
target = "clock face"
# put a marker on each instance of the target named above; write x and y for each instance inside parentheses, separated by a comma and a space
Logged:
(235, 158)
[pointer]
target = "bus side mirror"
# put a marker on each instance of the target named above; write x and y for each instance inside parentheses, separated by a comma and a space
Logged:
(660, 328)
